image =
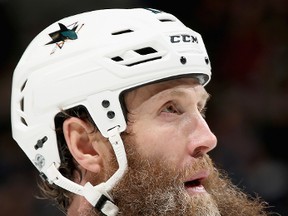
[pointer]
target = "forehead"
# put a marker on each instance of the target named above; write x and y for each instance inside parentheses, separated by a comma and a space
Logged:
(182, 87)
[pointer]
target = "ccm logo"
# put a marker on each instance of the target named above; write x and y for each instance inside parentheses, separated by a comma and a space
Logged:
(183, 38)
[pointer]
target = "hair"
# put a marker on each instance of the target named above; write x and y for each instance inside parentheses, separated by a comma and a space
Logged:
(69, 166)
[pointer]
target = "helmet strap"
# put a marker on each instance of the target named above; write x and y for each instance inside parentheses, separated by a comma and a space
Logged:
(98, 195)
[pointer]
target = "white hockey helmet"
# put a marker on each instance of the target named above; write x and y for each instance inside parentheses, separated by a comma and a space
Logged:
(89, 59)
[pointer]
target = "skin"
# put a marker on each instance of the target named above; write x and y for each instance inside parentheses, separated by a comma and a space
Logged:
(168, 121)
(166, 134)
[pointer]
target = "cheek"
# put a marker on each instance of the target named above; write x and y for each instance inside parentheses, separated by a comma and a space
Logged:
(162, 142)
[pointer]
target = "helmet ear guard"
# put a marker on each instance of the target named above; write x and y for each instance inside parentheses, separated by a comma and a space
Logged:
(89, 60)
(106, 109)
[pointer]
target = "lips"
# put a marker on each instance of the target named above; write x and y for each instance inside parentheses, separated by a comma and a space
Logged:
(194, 183)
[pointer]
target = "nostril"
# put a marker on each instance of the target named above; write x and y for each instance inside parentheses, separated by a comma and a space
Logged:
(199, 151)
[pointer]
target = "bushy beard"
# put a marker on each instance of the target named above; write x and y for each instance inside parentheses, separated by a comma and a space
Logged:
(152, 187)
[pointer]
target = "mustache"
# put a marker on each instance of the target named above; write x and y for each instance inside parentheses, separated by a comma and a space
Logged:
(177, 176)
(199, 164)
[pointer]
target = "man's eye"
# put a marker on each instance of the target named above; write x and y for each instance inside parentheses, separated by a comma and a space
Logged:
(170, 109)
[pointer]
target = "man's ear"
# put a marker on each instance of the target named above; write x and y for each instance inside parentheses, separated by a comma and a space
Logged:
(79, 138)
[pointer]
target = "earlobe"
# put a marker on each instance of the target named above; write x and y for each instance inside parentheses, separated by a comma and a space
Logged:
(81, 144)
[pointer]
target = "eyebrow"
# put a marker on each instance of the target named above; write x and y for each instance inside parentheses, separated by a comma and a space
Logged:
(204, 96)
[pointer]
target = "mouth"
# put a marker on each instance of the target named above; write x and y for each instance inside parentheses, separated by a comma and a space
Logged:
(194, 185)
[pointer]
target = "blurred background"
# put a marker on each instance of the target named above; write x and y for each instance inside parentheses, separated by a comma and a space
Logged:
(247, 42)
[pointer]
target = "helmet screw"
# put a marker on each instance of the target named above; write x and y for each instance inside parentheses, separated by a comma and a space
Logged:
(40, 142)
(110, 114)
(183, 60)
(105, 103)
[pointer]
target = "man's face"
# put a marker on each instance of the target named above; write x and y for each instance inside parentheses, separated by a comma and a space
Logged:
(169, 171)
(166, 120)
(167, 131)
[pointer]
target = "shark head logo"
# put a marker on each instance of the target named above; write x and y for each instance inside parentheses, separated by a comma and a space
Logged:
(64, 34)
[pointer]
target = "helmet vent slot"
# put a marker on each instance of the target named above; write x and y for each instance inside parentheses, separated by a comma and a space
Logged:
(23, 86)
(22, 104)
(166, 20)
(24, 121)
(117, 58)
(146, 60)
(22, 109)
(122, 32)
(145, 51)
(137, 56)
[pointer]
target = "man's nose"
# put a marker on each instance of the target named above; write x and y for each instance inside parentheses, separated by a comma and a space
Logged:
(201, 138)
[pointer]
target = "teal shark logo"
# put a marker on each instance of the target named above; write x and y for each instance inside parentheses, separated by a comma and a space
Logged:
(64, 34)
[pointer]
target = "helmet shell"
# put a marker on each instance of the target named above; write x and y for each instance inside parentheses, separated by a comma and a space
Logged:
(93, 57)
